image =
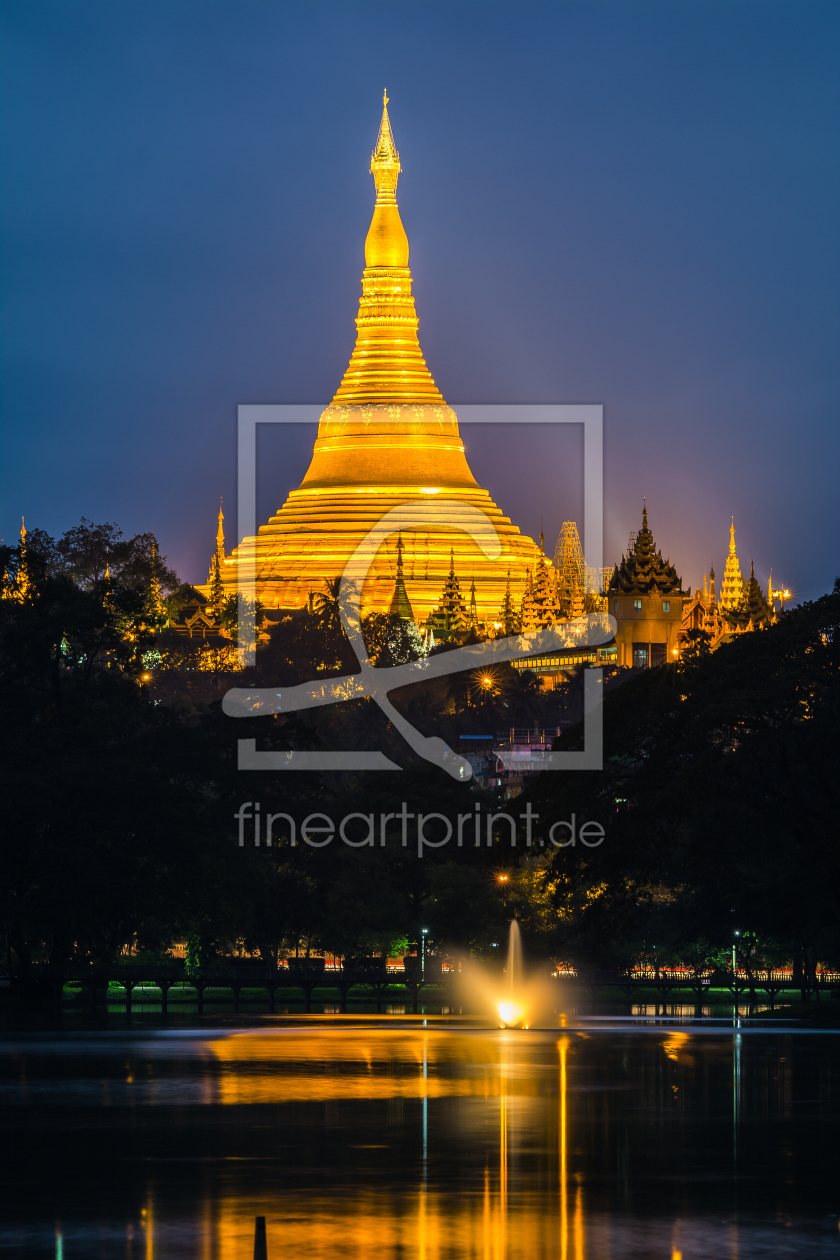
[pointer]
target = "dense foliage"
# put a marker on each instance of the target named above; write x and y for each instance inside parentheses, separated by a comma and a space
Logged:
(718, 800)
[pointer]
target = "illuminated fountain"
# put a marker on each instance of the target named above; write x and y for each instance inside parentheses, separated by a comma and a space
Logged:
(511, 1007)
(514, 999)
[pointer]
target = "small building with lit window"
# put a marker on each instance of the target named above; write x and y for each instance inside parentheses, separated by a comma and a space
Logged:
(645, 596)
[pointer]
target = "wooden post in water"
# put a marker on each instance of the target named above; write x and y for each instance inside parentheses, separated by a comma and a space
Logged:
(260, 1244)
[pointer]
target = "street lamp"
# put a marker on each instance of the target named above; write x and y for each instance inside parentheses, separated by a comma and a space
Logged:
(425, 933)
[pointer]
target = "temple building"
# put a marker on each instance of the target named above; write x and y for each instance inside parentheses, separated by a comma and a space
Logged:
(645, 596)
(573, 579)
(400, 605)
(450, 618)
(732, 587)
(740, 608)
(387, 439)
(702, 611)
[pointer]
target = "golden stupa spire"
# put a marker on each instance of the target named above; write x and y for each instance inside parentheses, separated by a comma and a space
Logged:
(220, 532)
(23, 572)
(385, 160)
(387, 364)
(388, 439)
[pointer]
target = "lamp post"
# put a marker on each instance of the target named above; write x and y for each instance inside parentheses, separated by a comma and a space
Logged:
(424, 934)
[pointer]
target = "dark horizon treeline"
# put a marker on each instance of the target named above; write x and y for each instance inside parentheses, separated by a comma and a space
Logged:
(719, 797)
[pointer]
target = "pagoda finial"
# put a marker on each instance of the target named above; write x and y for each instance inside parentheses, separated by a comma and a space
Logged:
(217, 559)
(732, 537)
(644, 513)
(387, 364)
(220, 532)
(385, 160)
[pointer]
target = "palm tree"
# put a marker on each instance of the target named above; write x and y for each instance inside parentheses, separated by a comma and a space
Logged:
(326, 605)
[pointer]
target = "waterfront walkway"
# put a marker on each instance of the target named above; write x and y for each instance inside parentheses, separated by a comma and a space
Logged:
(168, 982)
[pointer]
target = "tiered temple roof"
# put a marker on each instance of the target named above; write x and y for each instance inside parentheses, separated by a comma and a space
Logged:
(400, 603)
(546, 605)
(746, 607)
(754, 612)
(643, 571)
(732, 586)
(451, 616)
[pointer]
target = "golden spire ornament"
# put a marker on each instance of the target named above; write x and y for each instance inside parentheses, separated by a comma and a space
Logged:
(387, 364)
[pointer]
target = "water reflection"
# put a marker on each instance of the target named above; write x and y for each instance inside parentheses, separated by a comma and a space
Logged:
(430, 1142)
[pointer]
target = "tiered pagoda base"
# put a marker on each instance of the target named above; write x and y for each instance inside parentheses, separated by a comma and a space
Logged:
(321, 524)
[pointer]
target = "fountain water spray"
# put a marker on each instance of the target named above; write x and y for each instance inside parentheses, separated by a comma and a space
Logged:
(513, 1000)
(510, 1008)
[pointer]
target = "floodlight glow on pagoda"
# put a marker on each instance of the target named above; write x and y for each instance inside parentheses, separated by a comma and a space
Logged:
(388, 438)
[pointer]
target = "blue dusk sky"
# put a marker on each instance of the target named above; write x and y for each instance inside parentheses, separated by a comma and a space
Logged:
(630, 203)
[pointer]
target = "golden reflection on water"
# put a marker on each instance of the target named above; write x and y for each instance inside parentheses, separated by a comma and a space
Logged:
(318, 1065)
(433, 1143)
(563, 1047)
(504, 1217)
(512, 1102)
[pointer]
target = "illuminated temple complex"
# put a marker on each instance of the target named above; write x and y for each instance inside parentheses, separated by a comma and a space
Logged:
(740, 607)
(388, 438)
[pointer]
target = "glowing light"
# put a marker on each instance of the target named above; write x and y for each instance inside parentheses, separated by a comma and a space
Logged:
(510, 1014)
(430, 489)
(503, 879)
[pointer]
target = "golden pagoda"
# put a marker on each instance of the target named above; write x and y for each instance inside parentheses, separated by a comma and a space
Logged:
(387, 438)
(732, 587)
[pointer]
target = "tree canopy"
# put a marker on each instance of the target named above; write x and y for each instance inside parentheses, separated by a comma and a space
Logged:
(718, 798)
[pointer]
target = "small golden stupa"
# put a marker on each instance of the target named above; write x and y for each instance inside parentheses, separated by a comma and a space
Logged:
(387, 438)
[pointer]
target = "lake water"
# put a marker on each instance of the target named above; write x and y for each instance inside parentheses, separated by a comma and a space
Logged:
(366, 1137)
